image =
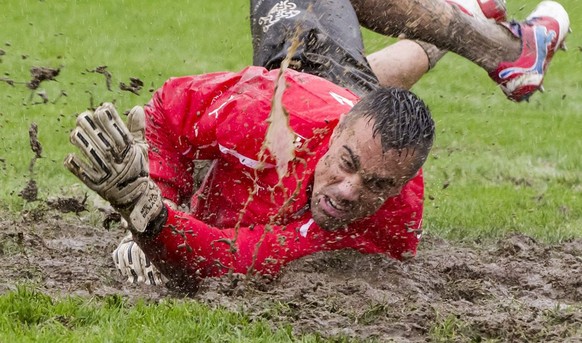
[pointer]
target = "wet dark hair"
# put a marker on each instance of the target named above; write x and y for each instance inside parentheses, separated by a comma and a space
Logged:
(402, 120)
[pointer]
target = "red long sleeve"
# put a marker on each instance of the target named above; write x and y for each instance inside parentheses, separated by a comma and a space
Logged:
(190, 249)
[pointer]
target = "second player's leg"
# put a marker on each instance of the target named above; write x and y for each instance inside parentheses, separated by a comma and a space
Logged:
(516, 55)
(328, 32)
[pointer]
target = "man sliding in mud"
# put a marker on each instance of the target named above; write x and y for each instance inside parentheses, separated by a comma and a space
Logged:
(353, 179)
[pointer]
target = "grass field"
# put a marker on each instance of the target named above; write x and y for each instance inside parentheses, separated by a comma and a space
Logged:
(497, 166)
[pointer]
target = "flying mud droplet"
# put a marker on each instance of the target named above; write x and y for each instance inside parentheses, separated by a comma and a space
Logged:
(92, 106)
(7, 80)
(280, 137)
(110, 218)
(35, 145)
(67, 205)
(30, 191)
(103, 71)
(40, 74)
(134, 86)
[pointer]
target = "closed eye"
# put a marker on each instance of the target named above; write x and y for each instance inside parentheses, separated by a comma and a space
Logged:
(350, 162)
(347, 165)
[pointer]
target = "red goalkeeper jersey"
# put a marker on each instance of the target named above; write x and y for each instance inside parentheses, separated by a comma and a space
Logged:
(243, 218)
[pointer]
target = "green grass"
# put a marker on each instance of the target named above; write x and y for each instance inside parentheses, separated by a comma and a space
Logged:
(30, 316)
(506, 166)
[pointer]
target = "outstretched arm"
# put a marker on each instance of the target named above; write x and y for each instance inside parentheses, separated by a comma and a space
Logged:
(115, 166)
(187, 249)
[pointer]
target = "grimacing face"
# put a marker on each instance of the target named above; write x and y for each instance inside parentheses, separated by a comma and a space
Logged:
(354, 178)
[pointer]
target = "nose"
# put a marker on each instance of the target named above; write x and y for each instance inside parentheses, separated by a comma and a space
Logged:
(349, 189)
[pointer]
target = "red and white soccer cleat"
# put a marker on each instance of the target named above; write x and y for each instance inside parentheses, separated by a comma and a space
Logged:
(488, 9)
(543, 32)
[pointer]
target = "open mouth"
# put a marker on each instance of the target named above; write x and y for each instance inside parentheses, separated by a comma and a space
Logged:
(332, 208)
(334, 204)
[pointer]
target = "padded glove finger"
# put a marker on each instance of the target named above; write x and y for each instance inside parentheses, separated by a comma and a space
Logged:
(136, 124)
(83, 171)
(127, 263)
(97, 171)
(90, 131)
(152, 276)
(88, 137)
(114, 129)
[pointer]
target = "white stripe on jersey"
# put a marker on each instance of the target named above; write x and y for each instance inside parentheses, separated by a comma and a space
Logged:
(249, 162)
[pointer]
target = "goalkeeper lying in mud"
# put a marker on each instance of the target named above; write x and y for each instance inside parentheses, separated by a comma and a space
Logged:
(352, 177)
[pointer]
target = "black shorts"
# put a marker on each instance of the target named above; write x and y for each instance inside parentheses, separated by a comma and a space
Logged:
(330, 40)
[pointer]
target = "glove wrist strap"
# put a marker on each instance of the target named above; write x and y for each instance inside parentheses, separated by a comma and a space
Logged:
(147, 208)
(155, 226)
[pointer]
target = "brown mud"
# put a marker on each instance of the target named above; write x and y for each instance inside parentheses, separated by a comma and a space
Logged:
(40, 74)
(515, 289)
(103, 71)
(135, 85)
